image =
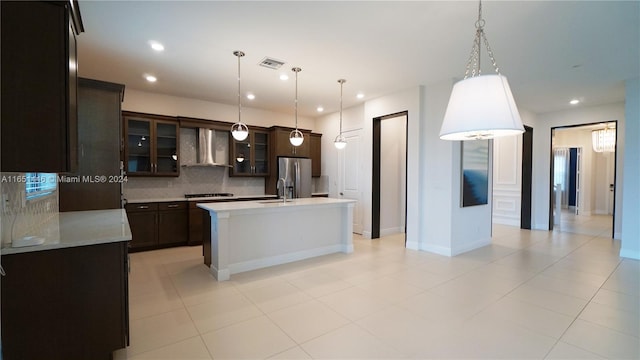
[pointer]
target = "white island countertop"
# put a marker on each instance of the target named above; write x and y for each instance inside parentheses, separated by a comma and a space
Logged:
(78, 228)
(274, 205)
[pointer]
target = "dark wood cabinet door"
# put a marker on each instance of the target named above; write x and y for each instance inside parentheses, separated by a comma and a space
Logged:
(173, 223)
(316, 154)
(143, 221)
(250, 157)
(38, 72)
(98, 149)
(151, 144)
(69, 303)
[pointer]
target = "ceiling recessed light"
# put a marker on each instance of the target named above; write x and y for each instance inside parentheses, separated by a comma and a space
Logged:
(156, 46)
(320, 109)
(360, 95)
(574, 102)
(284, 77)
(151, 78)
(251, 96)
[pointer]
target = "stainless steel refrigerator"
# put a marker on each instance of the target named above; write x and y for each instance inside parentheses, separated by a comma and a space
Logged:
(296, 173)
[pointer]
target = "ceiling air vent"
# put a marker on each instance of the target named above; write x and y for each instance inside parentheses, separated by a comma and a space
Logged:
(271, 63)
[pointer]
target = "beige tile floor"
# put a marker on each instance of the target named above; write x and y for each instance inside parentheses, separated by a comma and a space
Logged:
(529, 295)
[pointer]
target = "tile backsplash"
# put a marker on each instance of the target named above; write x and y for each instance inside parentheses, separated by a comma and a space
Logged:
(18, 220)
(192, 180)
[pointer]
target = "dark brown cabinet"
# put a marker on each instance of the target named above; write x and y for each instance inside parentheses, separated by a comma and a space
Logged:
(39, 84)
(316, 154)
(173, 223)
(99, 140)
(250, 157)
(69, 303)
(156, 225)
(151, 145)
(282, 146)
(143, 221)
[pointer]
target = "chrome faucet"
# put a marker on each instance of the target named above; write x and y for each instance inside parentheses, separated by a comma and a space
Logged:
(284, 189)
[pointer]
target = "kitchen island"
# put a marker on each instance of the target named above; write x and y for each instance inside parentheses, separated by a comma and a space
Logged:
(251, 235)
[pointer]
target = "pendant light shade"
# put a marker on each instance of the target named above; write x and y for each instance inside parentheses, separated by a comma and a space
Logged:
(239, 130)
(481, 106)
(340, 142)
(296, 138)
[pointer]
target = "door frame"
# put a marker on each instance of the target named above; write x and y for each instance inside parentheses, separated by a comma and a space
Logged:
(375, 176)
(527, 178)
(615, 170)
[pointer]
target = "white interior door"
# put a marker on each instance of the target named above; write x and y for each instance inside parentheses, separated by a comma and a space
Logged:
(349, 173)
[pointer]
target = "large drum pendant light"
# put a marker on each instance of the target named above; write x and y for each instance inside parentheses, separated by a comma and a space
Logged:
(239, 130)
(295, 137)
(480, 106)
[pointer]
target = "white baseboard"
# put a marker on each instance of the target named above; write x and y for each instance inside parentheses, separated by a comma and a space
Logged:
(412, 245)
(286, 258)
(471, 246)
(504, 221)
(391, 231)
(630, 254)
(617, 235)
(366, 234)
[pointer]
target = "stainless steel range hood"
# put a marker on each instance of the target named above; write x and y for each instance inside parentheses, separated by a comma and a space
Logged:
(210, 150)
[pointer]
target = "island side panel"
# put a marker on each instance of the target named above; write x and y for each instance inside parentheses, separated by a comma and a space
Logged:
(347, 228)
(220, 245)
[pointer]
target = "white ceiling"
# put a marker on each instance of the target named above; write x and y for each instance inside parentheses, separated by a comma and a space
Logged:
(551, 51)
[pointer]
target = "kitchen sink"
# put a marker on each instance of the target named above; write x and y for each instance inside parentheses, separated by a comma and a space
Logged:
(274, 201)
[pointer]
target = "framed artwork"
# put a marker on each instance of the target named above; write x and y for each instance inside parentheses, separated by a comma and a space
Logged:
(475, 172)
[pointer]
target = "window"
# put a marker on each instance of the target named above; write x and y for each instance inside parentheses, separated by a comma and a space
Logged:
(40, 184)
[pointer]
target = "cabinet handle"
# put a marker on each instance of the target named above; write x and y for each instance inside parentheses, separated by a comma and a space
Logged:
(172, 206)
(143, 207)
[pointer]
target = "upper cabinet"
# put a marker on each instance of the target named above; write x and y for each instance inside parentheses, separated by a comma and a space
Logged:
(250, 157)
(316, 154)
(151, 145)
(39, 85)
(282, 146)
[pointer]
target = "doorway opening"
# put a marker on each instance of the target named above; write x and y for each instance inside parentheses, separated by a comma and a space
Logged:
(389, 187)
(582, 182)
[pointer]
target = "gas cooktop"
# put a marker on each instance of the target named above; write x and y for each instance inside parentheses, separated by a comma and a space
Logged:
(188, 196)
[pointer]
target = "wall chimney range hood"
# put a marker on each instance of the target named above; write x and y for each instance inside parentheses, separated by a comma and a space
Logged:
(208, 151)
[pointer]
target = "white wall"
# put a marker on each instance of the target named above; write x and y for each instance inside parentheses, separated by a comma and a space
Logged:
(630, 246)
(407, 100)
(541, 155)
(160, 104)
(393, 175)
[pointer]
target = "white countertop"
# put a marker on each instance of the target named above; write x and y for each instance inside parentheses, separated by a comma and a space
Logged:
(210, 198)
(273, 205)
(79, 228)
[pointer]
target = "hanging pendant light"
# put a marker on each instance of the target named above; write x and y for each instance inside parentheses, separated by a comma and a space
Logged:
(340, 142)
(239, 130)
(480, 106)
(604, 140)
(295, 137)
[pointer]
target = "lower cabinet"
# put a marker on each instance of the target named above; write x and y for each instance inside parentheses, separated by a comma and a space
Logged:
(69, 303)
(157, 225)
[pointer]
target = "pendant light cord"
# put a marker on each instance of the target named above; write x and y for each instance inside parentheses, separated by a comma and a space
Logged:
(341, 81)
(474, 62)
(239, 54)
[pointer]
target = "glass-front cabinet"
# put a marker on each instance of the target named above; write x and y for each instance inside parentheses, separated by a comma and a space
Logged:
(151, 145)
(250, 157)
